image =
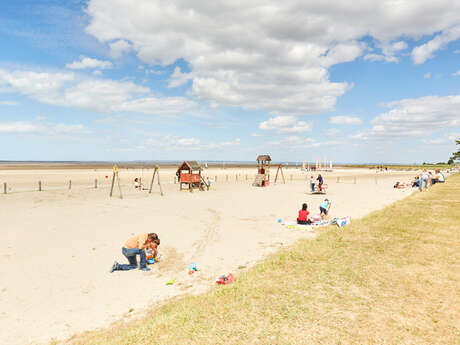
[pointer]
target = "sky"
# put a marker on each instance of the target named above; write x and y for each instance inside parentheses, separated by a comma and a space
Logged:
(349, 81)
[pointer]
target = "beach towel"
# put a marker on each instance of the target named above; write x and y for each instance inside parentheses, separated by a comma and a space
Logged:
(307, 227)
(341, 222)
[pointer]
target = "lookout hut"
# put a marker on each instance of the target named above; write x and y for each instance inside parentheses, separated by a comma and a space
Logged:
(189, 173)
(263, 171)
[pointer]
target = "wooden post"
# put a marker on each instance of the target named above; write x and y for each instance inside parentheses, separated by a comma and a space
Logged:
(39, 186)
(156, 172)
(246, 177)
(354, 179)
(119, 187)
(112, 184)
(236, 177)
(95, 183)
(70, 184)
(115, 177)
(226, 178)
(338, 179)
(5, 188)
(215, 179)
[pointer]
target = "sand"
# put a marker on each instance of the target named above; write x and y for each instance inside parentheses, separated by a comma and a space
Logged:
(57, 246)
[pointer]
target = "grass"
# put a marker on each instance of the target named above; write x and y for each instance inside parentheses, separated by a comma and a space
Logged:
(392, 277)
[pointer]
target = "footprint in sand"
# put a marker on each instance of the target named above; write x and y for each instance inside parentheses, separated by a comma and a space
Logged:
(210, 234)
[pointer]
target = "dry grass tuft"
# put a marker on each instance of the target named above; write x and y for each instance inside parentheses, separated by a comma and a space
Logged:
(392, 277)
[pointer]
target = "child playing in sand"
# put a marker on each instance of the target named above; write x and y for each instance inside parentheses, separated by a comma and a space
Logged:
(312, 183)
(152, 252)
(137, 184)
(324, 208)
(303, 215)
(134, 246)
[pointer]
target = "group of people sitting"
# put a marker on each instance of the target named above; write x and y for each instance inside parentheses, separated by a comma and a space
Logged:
(142, 244)
(304, 214)
(423, 180)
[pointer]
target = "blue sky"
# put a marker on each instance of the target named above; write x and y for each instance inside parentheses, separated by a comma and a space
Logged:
(145, 80)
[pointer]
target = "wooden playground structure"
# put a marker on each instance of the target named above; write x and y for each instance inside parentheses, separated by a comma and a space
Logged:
(189, 173)
(262, 178)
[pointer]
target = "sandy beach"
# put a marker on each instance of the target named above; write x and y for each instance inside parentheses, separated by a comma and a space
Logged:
(58, 245)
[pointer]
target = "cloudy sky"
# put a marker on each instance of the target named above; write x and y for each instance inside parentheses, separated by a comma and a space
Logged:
(353, 81)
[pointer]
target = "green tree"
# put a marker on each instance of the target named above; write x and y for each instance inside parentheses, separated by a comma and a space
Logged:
(456, 155)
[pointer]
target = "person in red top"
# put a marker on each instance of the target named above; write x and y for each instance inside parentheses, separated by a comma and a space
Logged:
(303, 215)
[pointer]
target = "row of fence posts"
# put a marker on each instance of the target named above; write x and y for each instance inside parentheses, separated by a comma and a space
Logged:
(5, 186)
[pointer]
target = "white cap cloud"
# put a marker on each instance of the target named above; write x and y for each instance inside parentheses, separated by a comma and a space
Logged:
(415, 117)
(345, 120)
(104, 96)
(285, 124)
(272, 55)
(86, 62)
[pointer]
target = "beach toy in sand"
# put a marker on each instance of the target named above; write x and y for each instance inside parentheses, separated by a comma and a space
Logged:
(279, 220)
(171, 282)
(225, 279)
(192, 268)
(106, 176)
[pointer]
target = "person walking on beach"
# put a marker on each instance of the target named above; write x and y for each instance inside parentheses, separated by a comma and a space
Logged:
(134, 246)
(424, 177)
(312, 183)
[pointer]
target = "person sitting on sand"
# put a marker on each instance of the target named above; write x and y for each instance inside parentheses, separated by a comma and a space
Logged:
(438, 177)
(303, 215)
(324, 208)
(134, 246)
(415, 182)
(320, 182)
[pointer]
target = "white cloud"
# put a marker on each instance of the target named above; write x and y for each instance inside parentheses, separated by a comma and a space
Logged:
(8, 103)
(40, 128)
(97, 73)
(448, 140)
(456, 74)
(285, 124)
(427, 75)
(118, 48)
(416, 117)
(389, 50)
(270, 55)
(457, 51)
(174, 142)
(178, 78)
(426, 51)
(379, 57)
(295, 142)
(332, 132)
(86, 62)
(105, 96)
(345, 120)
